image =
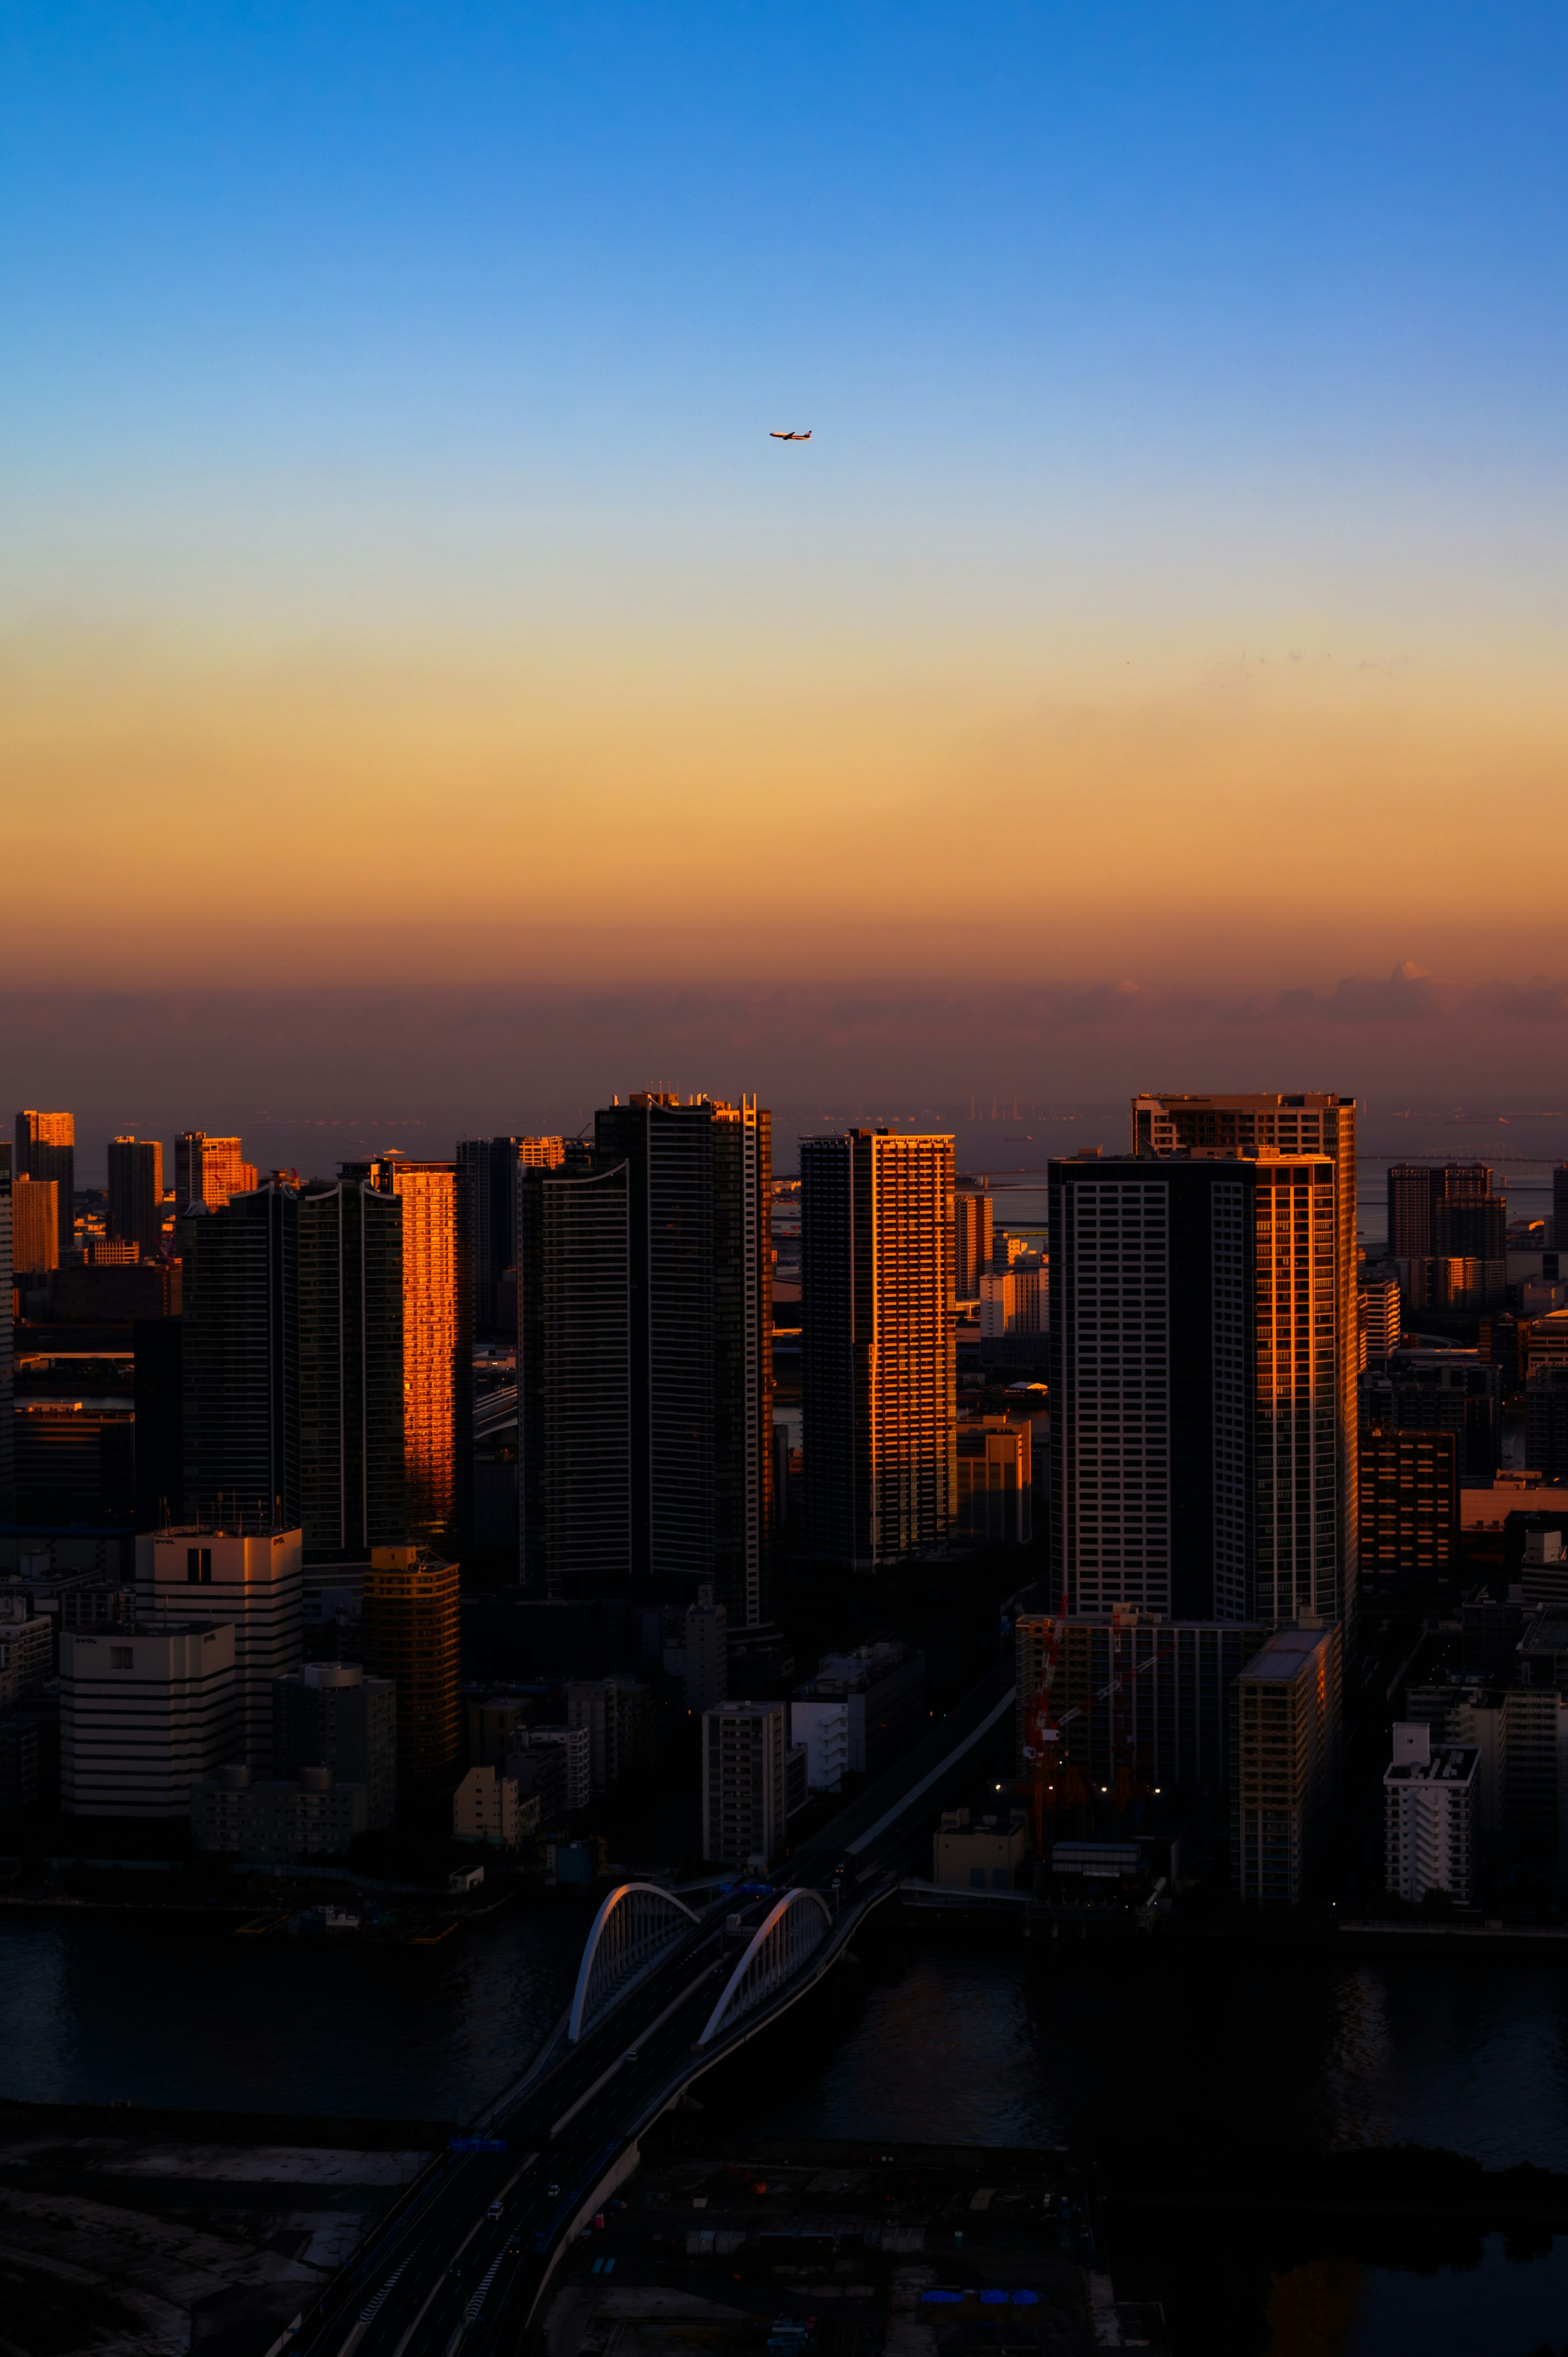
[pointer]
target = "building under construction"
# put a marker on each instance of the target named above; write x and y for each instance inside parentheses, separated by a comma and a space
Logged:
(1135, 1701)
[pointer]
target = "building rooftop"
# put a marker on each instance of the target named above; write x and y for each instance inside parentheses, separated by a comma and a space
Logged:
(1285, 1653)
(1451, 1764)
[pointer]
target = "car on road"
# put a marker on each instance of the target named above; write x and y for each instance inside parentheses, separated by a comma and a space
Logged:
(495, 2209)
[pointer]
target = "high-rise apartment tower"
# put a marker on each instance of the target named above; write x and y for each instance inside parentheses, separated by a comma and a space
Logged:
(1307, 1332)
(879, 1384)
(437, 1343)
(136, 1193)
(210, 1170)
(644, 1354)
(46, 1148)
(489, 1167)
(973, 1234)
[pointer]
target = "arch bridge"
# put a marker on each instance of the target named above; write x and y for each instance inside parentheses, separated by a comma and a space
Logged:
(633, 1928)
(787, 1936)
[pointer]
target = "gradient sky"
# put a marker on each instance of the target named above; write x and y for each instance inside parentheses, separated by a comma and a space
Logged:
(397, 579)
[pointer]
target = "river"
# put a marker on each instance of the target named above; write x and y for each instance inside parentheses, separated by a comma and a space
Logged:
(942, 2041)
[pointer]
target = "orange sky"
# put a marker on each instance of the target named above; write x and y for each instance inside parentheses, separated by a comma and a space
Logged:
(332, 810)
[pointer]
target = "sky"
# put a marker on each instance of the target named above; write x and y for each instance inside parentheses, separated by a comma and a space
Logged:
(400, 587)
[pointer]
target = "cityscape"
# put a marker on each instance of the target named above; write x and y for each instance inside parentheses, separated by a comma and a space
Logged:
(718, 1555)
(783, 1180)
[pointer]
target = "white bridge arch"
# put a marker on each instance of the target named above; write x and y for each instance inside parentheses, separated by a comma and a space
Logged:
(636, 1923)
(782, 1941)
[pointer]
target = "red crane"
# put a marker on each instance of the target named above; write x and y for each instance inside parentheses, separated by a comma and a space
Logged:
(1049, 1773)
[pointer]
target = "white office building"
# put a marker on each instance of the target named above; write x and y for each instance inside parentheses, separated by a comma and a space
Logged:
(145, 1714)
(252, 1580)
(488, 1807)
(1429, 1816)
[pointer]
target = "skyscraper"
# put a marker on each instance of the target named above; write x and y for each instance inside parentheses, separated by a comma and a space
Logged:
(879, 1384)
(489, 1167)
(437, 1343)
(240, 1359)
(973, 1241)
(350, 1361)
(209, 1170)
(136, 1193)
(1307, 1332)
(644, 1367)
(411, 1636)
(573, 1379)
(34, 1225)
(1442, 1215)
(46, 1148)
(1560, 1206)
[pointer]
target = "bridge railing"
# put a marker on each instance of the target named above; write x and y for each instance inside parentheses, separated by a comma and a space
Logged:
(787, 1934)
(637, 1922)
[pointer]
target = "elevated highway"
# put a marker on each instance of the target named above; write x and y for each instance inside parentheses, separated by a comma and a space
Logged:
(671, 1985)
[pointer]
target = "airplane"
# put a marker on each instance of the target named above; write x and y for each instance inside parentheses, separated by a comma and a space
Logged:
(774, 436)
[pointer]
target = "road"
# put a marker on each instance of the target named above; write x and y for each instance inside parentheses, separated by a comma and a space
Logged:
(460, 2263)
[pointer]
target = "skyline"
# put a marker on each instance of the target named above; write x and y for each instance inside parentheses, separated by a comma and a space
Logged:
(400, 570)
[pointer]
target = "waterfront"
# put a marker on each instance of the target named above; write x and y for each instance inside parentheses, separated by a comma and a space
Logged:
(934, 2038)
(936, 2041)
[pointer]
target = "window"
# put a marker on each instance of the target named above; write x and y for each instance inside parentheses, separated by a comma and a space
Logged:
(198, 1566)
(1000, 1878)
(977, 1877)
(121, 1657)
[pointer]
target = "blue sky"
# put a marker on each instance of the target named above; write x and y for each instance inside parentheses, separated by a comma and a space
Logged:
(1143, 345)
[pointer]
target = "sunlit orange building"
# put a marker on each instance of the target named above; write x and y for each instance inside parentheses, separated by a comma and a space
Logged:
(410, 1629)
(210, 1169)
(437, 1343)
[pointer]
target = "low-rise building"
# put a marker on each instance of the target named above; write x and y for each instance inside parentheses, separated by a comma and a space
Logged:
(979, 1852)
(863, 1707)
(273, 1820)
(1430, 1816)
(564, 1756)
(819, 1732)
(145, 1714)
(488, 1807)
(615, 1713)
(331, 1715)
(27, 1650)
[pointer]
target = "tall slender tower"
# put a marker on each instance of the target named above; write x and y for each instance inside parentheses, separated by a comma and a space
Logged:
(437, 1344)
(136, 1192)
(351, 1297)
(46, 1148)
(644, 1355)
(240, 1359)
(879, 1383)
(973, 1231)
(573, 1379)
(1305, 1467)
(489, 1167)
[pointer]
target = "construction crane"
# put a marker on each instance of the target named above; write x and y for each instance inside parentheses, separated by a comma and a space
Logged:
(1049, 1770)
